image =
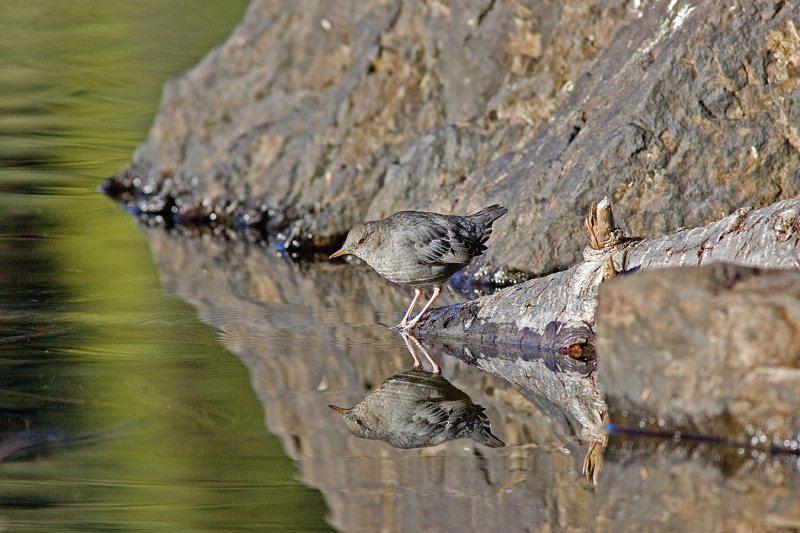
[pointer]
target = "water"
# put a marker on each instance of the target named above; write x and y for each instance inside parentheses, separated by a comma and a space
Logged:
(91, 344)
(157, 381)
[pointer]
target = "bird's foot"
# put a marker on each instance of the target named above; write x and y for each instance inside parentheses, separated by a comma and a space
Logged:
(413, 323)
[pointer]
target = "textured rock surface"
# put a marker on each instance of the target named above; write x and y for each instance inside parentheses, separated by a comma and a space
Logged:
(317, 115)
(697, 347)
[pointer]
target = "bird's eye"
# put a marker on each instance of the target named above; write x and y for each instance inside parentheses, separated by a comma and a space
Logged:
(359, 422)
(361, 240)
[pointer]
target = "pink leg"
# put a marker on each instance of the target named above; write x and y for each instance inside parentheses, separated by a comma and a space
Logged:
(412, 341)
(403, 323)
(436, 292)
(436, 368)
(417, 361)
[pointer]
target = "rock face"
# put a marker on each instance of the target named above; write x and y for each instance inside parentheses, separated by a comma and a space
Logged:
(700, 347)
(317, 115)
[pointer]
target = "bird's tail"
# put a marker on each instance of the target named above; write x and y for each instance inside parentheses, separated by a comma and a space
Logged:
(483, 220)
(484, 433)
(485, 437)
(486, 216)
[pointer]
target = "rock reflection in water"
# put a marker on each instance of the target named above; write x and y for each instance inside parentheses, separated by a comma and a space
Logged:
(309, 336)
(559, 385)
(32, 442)
(416, 409)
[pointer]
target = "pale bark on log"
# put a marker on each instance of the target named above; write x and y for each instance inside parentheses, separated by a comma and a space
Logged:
(558, 310)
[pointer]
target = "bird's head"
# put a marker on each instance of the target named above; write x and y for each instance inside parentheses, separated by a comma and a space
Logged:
(356, 423)
(360, 241)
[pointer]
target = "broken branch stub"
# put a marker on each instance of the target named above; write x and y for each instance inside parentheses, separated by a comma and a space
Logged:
(603, 232)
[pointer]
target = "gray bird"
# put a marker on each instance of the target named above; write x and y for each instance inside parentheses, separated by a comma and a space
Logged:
(415, 409)
(419, 250)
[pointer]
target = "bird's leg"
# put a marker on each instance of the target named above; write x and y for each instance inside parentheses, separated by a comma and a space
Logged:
(417, 361)
(435, 365)
(403, 323)
(436, 292)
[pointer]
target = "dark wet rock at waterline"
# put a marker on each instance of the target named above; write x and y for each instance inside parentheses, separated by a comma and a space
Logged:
(716, 349)
(314, 116)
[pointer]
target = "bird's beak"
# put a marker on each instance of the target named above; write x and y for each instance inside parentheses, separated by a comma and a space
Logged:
(340, 410)
(340, 253)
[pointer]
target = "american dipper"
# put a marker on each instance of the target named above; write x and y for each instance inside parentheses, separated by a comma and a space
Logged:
(418, 249)
(415, 409)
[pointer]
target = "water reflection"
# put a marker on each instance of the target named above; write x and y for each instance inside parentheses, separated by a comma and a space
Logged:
(88, 339)
(413, 345)
(416, 409)
(310, 336)
(560, 385)
(30, 443)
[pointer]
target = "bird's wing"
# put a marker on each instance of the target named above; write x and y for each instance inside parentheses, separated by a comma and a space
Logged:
(433, 242)
(454, 414)
(429, 417)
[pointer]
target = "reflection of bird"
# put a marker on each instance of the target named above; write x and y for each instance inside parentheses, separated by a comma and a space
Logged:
(419, 250)
(415, 409)
(411, 341)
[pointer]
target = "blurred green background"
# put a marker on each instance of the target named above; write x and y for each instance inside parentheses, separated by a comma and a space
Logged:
(89, 342)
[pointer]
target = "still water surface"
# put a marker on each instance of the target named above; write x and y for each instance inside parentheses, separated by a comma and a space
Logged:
(173, 436)
(173, 382)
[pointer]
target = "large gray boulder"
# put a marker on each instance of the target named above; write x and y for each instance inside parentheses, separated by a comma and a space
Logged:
(313, 116)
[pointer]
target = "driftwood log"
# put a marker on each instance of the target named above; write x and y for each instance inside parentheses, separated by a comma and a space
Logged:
(559, 310)
(710, 349)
